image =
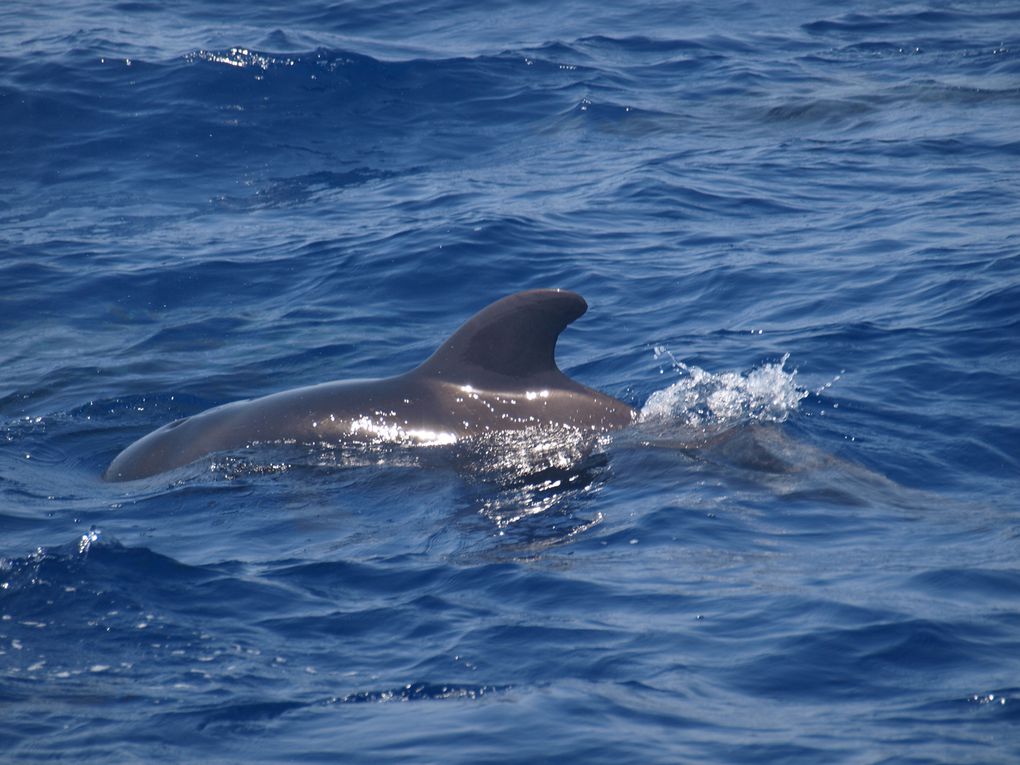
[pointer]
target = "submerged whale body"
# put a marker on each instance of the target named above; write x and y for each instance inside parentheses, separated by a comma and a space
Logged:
(497, 372)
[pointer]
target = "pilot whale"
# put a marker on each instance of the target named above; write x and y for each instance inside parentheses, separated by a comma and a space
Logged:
(497, 372)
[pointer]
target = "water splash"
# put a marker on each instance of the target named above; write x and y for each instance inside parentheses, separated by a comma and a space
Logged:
(239, 57)
(702, 399)
(87, 540)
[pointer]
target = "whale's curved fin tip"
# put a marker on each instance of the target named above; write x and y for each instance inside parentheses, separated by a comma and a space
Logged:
(513, 338)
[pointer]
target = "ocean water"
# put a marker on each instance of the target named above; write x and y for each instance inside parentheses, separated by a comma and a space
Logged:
(796, 226)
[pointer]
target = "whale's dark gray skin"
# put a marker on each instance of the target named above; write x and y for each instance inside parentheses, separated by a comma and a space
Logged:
(497, 372)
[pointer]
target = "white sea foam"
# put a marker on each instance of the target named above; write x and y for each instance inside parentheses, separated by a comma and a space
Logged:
(767, 393)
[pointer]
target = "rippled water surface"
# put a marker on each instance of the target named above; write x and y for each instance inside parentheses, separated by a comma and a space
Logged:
(796, 228)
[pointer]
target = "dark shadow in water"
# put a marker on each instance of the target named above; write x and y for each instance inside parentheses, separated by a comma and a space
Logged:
(765, 455)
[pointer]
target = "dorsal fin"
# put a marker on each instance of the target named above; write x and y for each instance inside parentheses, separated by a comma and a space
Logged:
(513, 338)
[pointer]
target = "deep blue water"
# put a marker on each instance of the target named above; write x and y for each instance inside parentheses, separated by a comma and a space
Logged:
(796, 226)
